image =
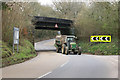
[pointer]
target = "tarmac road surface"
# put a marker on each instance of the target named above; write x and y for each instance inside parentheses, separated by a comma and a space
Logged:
(38, 66)
(86, 66)
(50, 64)
(46, 45)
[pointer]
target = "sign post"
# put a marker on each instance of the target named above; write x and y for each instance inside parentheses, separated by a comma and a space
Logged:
(15, 37)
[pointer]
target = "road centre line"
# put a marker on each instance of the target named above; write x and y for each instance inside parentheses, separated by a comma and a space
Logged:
(64, 64)
(45, 74)
(51, 71)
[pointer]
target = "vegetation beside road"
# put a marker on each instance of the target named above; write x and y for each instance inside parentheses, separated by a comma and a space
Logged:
(26, 52)
(100, 48)
(14, 15)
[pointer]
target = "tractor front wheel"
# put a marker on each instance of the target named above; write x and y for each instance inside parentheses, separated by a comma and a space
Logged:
(75, 52)
(63, 48)
(66, 51)
(57, 50)
(79, 51)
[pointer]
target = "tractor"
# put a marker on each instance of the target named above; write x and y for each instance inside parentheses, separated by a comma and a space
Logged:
(67, 44)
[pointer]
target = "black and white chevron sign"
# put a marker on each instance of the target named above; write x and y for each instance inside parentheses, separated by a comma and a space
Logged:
(100, 38)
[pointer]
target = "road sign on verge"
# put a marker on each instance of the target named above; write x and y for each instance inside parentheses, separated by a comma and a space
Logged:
(100, 38)
(15, 37)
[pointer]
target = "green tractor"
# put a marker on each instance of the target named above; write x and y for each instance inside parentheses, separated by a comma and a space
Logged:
(67, 44)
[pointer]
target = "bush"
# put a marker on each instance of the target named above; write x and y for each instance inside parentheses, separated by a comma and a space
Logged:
(26, 52)
(6, 51)
(100, 48)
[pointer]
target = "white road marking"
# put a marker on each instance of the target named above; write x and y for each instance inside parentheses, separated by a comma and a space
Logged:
(64, 64)
(45, 74)
(51, 71)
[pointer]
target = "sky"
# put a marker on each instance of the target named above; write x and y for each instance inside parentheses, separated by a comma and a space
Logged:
(49, 2)
(45, 2)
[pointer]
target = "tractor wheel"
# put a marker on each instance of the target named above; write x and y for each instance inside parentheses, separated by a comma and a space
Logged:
(63, 49)
(79, 51)
(66, 51)
(75, 52)
(57, 50)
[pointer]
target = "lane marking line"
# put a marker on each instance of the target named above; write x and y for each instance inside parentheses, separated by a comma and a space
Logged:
(64, 64)
(45, 74)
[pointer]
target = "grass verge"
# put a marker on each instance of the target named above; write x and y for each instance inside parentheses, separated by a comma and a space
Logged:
(26, 52)
(100, 48)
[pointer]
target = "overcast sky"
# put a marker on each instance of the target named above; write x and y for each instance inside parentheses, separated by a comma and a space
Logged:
(49, 2)
(45, 2)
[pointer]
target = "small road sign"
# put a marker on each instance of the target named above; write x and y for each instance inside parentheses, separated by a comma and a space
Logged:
(56, 25)
(15, 37)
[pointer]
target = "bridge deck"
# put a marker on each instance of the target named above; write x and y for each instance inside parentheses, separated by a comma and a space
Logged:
(48, 21)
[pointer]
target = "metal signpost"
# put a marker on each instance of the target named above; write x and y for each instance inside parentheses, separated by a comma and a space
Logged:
(15, 37)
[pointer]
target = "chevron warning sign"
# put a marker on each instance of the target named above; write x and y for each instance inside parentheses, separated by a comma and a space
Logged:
(100, 38)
